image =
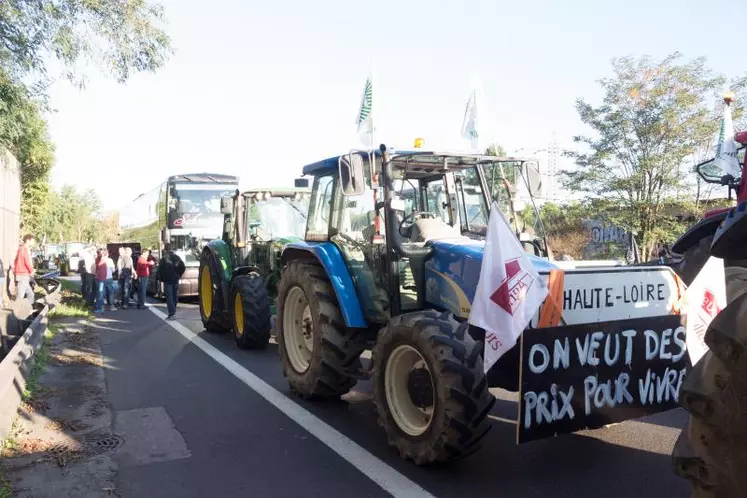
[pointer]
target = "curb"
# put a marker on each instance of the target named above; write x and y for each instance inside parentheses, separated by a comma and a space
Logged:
(15, 368)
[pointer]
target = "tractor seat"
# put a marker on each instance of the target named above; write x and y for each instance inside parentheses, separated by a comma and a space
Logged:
(427, 229)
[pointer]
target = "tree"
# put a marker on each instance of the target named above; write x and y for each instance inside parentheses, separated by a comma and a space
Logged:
(23, 131)
(118, 35)
(654, 115)
(495, 150)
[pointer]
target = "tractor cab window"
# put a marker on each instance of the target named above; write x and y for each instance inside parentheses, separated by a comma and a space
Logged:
(473, 212)
(271, 217)
(317, 227)
(436, 199)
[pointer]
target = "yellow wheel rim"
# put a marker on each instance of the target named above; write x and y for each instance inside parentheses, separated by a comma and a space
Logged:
(238, 314)
(206, 291)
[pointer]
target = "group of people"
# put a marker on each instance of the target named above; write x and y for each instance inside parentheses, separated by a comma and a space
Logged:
(98, 269)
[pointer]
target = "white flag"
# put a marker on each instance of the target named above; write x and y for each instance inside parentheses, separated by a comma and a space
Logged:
(726, 149)
(364, 121)
(470, 124)
(509, 291)
(704, 299)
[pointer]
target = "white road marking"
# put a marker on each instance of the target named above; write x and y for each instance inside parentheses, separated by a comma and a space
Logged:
(379, 472)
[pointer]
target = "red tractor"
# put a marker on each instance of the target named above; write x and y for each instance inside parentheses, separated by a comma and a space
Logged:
(695, 244)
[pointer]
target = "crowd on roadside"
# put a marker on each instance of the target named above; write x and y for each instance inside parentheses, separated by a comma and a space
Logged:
(102, 280)
(118, 284)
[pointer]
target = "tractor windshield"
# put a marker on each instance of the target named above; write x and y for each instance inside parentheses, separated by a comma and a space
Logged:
(278, 217)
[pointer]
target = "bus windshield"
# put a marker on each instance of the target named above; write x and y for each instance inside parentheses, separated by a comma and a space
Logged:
(202, 199)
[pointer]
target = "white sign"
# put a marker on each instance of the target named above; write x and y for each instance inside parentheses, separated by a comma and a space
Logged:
(617, 293)
(704, 299)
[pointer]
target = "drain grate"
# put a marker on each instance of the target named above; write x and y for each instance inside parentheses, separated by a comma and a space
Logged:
(97, 444)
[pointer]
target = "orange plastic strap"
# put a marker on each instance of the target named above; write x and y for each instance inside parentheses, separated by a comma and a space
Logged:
(552, 309)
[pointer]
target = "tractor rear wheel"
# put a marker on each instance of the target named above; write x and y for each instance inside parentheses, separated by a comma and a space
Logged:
(712, 451)
(213, 317)
(250, 311)
(319, 355)
(429, 388)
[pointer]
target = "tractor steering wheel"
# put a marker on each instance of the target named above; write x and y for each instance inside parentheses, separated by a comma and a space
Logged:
(410, 218)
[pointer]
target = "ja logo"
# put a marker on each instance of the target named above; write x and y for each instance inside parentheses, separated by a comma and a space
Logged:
(513, 288)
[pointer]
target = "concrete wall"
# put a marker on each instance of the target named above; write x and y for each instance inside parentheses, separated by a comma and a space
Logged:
(10, 207)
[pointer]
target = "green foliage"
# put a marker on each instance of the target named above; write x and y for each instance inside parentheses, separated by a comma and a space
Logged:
(76, 216)
(495, 150)
(654, 115)
(72, 305)
(23, 131)
(120, 36)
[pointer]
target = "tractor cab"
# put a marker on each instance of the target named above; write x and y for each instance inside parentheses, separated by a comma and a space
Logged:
(411, 228)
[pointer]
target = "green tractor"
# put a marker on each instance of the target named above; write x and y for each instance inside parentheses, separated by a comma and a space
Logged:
(239, 272)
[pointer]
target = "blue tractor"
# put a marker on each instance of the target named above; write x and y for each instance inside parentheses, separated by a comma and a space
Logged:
(390, 262)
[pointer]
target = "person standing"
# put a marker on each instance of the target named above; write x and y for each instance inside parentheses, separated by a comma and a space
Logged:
(170, 270)
(90, 274)
(24, 270)
(104, 281)
(144, 264)
(124, 267)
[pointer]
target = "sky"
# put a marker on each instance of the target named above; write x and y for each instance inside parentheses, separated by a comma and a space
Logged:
(258, 89)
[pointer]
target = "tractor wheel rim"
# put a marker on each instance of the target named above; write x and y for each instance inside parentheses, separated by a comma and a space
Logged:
(410, 418)
(298, 329)
(206, 292)
(238, 314)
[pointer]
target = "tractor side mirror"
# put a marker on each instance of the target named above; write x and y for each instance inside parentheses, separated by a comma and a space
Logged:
(534, 179)
(301, 183)
(352, 177)
(226, 204)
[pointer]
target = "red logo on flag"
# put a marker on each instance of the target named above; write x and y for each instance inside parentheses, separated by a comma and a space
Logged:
(709, 304)
(513, 288)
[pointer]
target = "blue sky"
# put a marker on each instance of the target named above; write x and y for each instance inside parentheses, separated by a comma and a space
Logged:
(258, 89)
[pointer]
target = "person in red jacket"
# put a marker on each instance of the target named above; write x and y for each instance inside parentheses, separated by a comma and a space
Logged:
(142, 270)
(24, 270)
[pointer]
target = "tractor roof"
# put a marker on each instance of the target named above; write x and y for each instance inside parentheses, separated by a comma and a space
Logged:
(417, 159)
(278, 192)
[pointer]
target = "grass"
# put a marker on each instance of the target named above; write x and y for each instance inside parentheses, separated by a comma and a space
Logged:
(72, 305)
(40, 361)
(70, 286)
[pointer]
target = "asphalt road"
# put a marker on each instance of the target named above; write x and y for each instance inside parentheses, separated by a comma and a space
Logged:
(242, 445)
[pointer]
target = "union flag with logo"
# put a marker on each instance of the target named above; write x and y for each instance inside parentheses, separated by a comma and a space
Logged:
(704, 299)
(509, 291)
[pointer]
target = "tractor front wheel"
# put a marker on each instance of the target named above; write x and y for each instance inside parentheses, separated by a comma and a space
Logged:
(211, 295)
(429, 388)
(251, 316)
(318, 353)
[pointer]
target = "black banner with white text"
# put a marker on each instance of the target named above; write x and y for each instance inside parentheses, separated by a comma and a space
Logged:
(590, 375)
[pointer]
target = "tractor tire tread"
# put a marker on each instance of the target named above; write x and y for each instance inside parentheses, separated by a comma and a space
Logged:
(328, 374)
(218, 321)
(257, 311)
(460, 413)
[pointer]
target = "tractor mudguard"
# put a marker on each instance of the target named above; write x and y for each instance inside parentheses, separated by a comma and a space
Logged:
(244, 270)
(222, 254)
(329, 256)
(703, 228)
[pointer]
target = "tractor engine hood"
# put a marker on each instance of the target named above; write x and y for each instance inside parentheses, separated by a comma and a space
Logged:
(593, 291)
(453, 270)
